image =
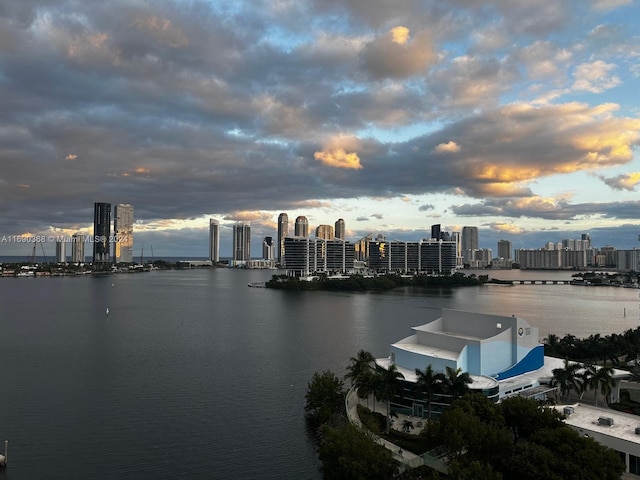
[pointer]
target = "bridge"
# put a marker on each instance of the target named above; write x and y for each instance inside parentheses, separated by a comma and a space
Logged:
(531, 282)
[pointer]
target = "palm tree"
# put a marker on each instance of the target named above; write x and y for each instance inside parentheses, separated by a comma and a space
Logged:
(601, 380)
(359, 373)
(389, 385)
(567, 378)
(456, 383)
(429, 383)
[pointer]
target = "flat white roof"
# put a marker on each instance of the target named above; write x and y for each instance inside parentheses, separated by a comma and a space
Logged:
(479, 381)
(427, 350)
(585, 417)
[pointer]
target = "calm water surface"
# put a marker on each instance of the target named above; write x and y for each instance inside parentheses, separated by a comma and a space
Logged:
(194, 375)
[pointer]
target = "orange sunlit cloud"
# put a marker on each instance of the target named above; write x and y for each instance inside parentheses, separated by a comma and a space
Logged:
(506, 228)
(340, 152)
(627, 181)
(71, 156)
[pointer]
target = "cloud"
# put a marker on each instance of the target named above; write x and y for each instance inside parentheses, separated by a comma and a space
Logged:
(449, 147)
(595, 77)
(71, 156)
(335, 154)
(506, 228)
(627, 181)
(426, 208)
(397, 55)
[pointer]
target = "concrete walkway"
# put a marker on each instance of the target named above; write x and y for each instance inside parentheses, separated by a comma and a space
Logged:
(406, 459)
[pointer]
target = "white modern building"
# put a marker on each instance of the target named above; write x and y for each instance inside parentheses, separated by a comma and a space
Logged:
(214, 240)
(77, 248)
(491, 348)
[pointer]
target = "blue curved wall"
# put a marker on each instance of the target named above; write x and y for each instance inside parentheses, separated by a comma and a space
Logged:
(532, 361)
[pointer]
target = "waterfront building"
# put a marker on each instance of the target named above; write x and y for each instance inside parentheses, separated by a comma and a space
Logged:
(311, 256)
(302, 227)
(123, 230)
(61, 251)
(283, 232)
(427, 256)
(101, 232)
(324, 232)
(214, 241)
(490, 348)
(628, 260)
(77, 248)
(504, 249)
(469, 243)
(241, 243)
(340, 229)
(268, 248)
(362, 248)
(540, 259)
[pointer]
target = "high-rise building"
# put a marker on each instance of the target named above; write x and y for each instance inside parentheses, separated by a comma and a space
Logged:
(241, 243)
(302, 227)
(77, 248)
(504, 249)
(123, 232)
(61, 252)
(469, 243)
(214, 240)
(325, 232)
(340, 229)
(101, 232)
(283, 232)
(436, 231)
(268, 248)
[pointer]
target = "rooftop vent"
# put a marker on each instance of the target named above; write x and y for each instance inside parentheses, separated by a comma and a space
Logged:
(606, 421)
(637, 430)
(568, 410)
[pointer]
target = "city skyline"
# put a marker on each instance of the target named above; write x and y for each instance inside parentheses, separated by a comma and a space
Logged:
(521, 120)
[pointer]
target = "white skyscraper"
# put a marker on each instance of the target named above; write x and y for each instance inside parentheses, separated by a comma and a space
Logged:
(61, 252)
(123, 229)
(214, 240)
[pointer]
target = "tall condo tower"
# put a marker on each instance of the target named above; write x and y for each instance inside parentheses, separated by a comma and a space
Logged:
(268, 248)
(77, 248)
(101, 232)
(325, 232)
(469, 238)
(214, 240)
(241, 243)
(283, 232)
(436, 231)
(504, 249)
(340, 229)
(302, 227)
(61, 252)
(123, 229)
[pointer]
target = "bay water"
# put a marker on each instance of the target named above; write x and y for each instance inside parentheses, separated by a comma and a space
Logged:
(192, 374)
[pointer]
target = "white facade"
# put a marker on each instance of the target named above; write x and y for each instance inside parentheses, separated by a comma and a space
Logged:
(214, 240)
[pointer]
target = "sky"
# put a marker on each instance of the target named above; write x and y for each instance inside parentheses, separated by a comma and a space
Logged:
(521, 118)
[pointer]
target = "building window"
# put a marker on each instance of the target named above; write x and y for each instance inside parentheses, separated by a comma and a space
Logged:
(634, 464)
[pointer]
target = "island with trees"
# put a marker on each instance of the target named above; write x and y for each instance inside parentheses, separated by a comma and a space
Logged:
(375, 282)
